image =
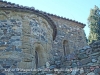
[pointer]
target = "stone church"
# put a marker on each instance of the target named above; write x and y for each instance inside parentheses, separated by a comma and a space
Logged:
(29, 37)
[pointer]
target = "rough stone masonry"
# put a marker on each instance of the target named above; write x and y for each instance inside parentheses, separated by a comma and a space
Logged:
(30, 38)
(85, 61)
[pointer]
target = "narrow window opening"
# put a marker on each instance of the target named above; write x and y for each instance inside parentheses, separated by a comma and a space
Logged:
(66, 47)
(36, 59)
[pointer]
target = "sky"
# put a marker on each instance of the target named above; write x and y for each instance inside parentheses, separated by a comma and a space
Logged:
(78, 10)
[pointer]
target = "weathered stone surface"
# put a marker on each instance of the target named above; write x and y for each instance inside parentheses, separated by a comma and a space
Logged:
(91, 73)
(67, 63)
(25, 65)
(1, 67)
(74, 71)
(98, 60)
(74, 65)
(81, 71)
(82, 56)
(10, 73)
(47, 64)
(52, 67)
(2, 74)
(97, 71)
(49, 74)
(94, 60)
(71, 56)
(28, 40)
(86, 47)
(85, 61)
(89, 51)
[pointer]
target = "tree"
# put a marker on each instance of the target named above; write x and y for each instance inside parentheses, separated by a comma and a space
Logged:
(94, 25)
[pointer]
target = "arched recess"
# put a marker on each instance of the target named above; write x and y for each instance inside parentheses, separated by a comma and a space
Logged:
(66, 47)
(40, 55)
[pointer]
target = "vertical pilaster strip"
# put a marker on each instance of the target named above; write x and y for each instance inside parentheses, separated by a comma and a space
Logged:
(26, 44)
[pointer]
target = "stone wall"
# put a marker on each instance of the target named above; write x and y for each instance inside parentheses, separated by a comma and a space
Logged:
(85, 61)
(21, 34)
(32, 39)
(68, 31)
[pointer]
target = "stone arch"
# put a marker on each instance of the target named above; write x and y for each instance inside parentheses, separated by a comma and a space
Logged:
(66, 47)
(40, 55)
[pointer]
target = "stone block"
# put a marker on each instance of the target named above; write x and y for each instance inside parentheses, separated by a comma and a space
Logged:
(52, 67)
(85, 61)
(98, 61)
(10, 48)
(82, 56)
(27, 59)
(94, 60)
(71, 56)
(15, 38)
(52, 62)
(2, 74)
(10, 73)
(89, 51)
(74, 65)
(1, 66)
(17, 43)
(47, 64)
(12, 20)
(26, 51)
(91, 73)
(66, 64)
(25, 65)
(1, 61)
(18, 33)
(49, 74)
(2, 48)
(97, 71)
(6, 66)
(74, 71)
(94, 53)
(26, 47)
(18, 49)
(26, 30)
(56, 58)
(86, 47)
(25, 39)
(11, 54)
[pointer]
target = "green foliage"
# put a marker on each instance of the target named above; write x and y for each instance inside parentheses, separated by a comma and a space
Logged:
(94, 25)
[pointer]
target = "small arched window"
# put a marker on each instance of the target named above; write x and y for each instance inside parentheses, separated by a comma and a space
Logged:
(66, 47)
(36, 59)
(40, 56)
